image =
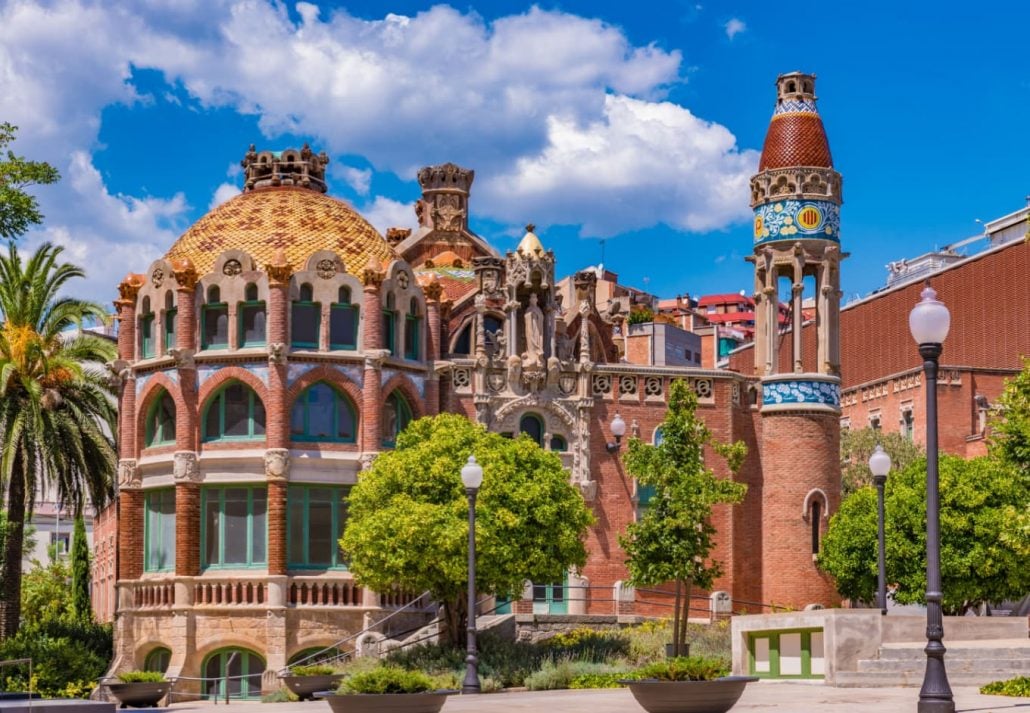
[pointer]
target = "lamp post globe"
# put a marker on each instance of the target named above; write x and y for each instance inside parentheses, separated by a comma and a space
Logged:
(471, 478)
(618, 426)
(880, 466)
(929, 321)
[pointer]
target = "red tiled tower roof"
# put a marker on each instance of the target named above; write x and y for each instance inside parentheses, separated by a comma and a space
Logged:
(796, 136)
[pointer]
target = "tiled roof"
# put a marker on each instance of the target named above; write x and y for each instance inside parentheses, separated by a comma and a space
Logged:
(727, 298)
(795, 139)
(298, 220)
(456, 281)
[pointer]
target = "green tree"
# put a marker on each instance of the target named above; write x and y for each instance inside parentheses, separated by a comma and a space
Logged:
(407, 523)
(673, 539)
(18, 209)
(857, 445)
(44, 590)
(1010, 427)
(983, 556)
(57, 409)
(82, 606)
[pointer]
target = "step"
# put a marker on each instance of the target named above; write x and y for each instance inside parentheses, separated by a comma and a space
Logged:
(859, 679)
(1007, 666)
(987, 648)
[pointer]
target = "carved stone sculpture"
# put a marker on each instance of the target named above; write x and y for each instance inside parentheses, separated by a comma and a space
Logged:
(533, 318)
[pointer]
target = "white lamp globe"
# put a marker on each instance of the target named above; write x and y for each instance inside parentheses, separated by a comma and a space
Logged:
(618, 426)
(880, 462)
(929, 320)
(472, 474)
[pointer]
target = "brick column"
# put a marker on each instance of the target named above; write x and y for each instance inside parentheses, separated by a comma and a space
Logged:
(433, 291)
(126, 307)
(186, 468)
(277, 410)
(372, 344)
(130, 521)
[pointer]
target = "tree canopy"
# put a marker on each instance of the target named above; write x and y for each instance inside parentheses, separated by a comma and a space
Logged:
(1010, 427)
(19, 209)
(983, 556)
(673, 539)
(856, 445)
(407, 523)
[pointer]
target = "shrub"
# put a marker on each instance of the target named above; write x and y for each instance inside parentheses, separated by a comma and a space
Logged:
(387, 679)
(141, 677)
(600, 680)
(1018, 687)
(283, 695)
(315, 669)
(686, 668)
(561, 674)
(585, 644)
(68, 656)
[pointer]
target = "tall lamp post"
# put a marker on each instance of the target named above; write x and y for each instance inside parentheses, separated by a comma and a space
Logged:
(880, 466)
(929, 322)
(472, 478)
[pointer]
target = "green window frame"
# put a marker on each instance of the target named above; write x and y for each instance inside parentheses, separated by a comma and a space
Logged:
(160, 424)
(171, 317)
(551, 598)
(396, 417)
(767, 646)
(559, 444)
(252, 309)
(390, 331)
(412, 331)
(305, 539)
(533, 426)
(212, 338)
(302, 413)
(214, 417)
(223, 543)
(217, 668)
(299, 309)
(159, 530)
(158, 660)
(146, 333)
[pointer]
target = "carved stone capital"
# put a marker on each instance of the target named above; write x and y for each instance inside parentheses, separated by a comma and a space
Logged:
(373, 274)
(588, 489)
(374, 358)
(185, 467)
(183, 358)
(279, 270)
(129, 477)
(185, 274)
(277, 463)
(130, 287)
(120, 372)
(276, 353)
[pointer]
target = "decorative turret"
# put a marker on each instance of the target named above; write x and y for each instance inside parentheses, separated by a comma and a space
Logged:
(290, 167)
(445, 194)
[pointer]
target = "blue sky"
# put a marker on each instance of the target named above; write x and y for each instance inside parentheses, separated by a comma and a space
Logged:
(636, 122)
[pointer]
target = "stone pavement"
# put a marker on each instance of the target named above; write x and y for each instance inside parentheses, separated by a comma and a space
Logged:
(761, 696)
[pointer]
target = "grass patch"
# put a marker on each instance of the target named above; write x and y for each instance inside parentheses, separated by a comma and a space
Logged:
(1018, 687)
(141, 677)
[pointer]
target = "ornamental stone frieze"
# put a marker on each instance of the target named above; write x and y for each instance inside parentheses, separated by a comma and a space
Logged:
(277, 463)
(186, 467)
(276, 353)
(184, 358)
(129, 476)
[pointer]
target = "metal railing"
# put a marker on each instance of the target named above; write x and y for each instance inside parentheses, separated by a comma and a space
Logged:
(17, 662)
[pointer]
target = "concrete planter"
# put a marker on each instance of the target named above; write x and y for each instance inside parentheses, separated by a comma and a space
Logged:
(307, 686)
(716, 696)
(140, 694)
(430, 702)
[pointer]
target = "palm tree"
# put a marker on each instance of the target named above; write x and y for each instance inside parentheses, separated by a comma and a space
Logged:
(57, 409)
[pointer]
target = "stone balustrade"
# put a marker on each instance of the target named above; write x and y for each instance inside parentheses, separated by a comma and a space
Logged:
(321, 592)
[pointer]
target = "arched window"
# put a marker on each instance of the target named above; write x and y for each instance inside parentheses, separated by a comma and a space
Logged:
(321, 413)
(558, 443)
(396, 417)
(252, 318)
(816, 510)
(171, 315)
(315, 655)
(492, 326)
(343, 322)
(305, 316)
(533, 426)
(158, 660)
(234, 413)
(390, 324)
(146, 330)
(223, 669)
(646, 493)
(412, 331)
(160, 423)
(215, 317)
(463, 344)
(658, 437)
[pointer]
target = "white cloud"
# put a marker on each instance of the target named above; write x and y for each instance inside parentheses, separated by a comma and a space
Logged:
(734, 26)
(562, 116)
(224, 192)
(385, 213)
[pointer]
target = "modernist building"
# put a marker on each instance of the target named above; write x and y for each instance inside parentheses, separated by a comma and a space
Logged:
(282, 342)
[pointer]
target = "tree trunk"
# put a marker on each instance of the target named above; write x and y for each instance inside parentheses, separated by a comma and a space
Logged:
(685, 619)
(676, 621)
(454, 623)
(10, 575)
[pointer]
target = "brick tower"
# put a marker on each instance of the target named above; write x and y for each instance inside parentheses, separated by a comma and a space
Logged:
(796, 196)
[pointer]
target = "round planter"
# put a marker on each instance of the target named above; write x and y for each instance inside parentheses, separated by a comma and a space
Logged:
(430, 702)
(140, 694)
(307, 686)
(716, 696)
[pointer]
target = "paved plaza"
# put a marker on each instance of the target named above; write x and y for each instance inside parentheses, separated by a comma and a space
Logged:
(762, 696)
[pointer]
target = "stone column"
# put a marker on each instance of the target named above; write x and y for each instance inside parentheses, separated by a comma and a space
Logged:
(372, 343)
(186, 464)
(126, 307)
(130, 523)
(186, 469)
(277, 410)
(434, 349)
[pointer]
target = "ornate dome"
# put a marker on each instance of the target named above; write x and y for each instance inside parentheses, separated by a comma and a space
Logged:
(298, 220)
(796, 136)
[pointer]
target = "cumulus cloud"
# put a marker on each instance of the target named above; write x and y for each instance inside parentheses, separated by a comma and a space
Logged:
(224, 192)
(734, 26)
(385, 213)
(563, 118)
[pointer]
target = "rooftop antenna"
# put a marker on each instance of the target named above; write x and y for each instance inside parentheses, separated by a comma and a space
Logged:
(602, 250)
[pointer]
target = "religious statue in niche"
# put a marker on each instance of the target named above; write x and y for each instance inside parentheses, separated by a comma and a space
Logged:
(533, 318)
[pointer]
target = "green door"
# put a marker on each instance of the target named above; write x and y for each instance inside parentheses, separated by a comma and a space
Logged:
(551, 598)
(796, 653)
(238, 669)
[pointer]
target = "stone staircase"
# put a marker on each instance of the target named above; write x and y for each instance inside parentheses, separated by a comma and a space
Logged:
(969, 663)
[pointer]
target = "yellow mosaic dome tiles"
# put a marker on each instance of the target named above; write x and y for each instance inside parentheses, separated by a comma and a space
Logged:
(298, 220)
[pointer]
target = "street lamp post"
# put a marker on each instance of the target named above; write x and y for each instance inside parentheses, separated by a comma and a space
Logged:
(880, 466)
(472, 478)
(929, 322)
